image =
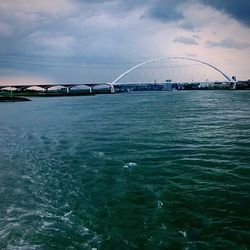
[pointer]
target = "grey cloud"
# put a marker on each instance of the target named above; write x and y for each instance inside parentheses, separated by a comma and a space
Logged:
(93, 1)
(46, 28)
(229, 43)
(186, 40)
(116, 6)
(55, 34)
(166, 10)
(197, 37)
(188, 26)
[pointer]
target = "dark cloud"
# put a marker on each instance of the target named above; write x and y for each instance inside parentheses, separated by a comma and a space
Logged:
(166, 10)
(117, 6)
(238, 9)
(172, 10)
(186, 40)
(93, 1)
(229, 43)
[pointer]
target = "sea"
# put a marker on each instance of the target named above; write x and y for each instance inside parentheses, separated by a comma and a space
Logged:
(138, 170)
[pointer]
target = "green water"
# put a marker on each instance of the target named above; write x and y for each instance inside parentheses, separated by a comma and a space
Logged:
(145, 170)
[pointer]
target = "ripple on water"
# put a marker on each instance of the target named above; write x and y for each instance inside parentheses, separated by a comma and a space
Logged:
(98, 154)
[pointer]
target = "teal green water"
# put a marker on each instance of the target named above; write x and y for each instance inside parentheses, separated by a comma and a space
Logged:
(145, 170)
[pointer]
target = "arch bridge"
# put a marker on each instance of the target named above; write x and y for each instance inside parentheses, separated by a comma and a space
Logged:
(228, 79)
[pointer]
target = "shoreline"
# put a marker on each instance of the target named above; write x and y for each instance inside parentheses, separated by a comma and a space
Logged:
(13, 99)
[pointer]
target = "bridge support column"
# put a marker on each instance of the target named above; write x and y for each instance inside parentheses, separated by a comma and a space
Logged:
(112, 88)
(234, 85)
(91, 90)
(67, 90)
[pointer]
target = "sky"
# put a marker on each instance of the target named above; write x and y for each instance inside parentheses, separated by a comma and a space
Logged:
(79, 41)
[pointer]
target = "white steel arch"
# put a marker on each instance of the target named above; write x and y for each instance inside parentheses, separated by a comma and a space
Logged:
(169, 58)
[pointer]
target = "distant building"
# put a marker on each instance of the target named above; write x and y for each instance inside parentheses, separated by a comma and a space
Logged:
(167, 86)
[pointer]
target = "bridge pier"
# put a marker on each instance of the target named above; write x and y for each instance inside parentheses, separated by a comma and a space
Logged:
(112, 87)
(234, 85)
(90, 89)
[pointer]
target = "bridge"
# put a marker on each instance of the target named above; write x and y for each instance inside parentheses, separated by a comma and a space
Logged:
(116, 82)
(67, 86)
(226, 78)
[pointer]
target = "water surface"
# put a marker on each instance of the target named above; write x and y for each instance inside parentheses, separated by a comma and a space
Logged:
(145, 170)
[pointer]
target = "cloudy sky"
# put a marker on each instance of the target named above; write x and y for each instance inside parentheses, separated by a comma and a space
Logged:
(96, 40)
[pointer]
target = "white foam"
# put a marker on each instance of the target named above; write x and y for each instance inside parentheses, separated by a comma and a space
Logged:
(83, 230)
(67, 214)
(130, 164)
(184, 233)
(159, 204)
(26, 177)
(65, 217)
(98, 154)
(47, 224)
